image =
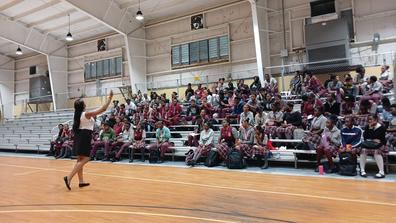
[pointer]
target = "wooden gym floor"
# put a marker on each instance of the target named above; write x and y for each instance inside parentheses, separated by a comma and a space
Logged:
(32, 190)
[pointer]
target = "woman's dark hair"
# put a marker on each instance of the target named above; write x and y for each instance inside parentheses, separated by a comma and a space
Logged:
(79, 106)
(385, 102)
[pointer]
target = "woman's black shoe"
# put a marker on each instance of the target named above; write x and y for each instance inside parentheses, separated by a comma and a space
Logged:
(67, 183)
(83, 185)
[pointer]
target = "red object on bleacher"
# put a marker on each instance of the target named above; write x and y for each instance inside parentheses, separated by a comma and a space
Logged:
(270, 146)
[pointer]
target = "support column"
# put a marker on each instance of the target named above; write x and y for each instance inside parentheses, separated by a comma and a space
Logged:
(57, 67)
(136, 53)
(261, 35)
(7, 79)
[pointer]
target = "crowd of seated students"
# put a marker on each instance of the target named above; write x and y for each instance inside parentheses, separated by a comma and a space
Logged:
(250, 115)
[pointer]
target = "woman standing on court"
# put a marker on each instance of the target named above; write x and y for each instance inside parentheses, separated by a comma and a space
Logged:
(83, 126)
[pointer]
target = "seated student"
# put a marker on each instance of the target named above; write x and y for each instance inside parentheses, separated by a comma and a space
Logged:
(351, 136)
(313, 84)
(174, 113)
(267, 102)
(200, 120)
(189, 92)
(349, 89)
(56, 142)
(296, 84)
(310, 104)
(204, 146)
(347, 106)
(227, 140)
(123, 141)
(246, 139)
(391, 130)
(238, 108)
(260, 150)
(138, 142)
(334, 85)
(331, 107)
(162, 135)
(385, 77)
(256, 85)
(274, 119)
(118, 125)
(318, 124)
(360, 80)
(260, 118)
(252, 103)
(192, 111)
(373, 144)
(282, 103)
(373, 90)
(207, 106)
(153, 117)
(66, 135)
(106, 138)
(270, 84)
(291, 121)
(246, 114)
(67, 147)
(329, 144)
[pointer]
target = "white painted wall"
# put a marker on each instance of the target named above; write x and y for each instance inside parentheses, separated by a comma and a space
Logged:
(7, 66)
(22, 75)
(235, 20)
(79, 54)
(370, 17)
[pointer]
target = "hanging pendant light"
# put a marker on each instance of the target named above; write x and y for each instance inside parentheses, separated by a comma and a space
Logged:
(139, 14)
(19, 51)
(69, 36)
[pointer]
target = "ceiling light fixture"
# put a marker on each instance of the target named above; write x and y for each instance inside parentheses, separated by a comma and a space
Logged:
(19, 51)
(69, 36)
(139, 14)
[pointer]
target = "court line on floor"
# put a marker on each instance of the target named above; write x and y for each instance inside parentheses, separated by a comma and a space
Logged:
(218, 187)
(233, 214)
(119, 212)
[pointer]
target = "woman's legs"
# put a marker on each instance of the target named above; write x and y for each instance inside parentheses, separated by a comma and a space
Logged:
(380, 162)
(363, 160)
(78, 168)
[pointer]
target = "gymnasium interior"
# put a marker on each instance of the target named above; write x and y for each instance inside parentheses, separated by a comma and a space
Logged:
(276, 110)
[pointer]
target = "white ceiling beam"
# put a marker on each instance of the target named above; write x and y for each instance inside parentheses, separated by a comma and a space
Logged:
(10, 4)
(134, 4)
(35, 10)
(49, 19)
(66, 24)
(30, 38)
(109, 13)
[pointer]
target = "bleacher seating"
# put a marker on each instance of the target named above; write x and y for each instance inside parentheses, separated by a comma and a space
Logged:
(32, 131)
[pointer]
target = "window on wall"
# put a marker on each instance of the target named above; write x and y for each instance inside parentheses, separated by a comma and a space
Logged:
(103, 68)
(200, 52)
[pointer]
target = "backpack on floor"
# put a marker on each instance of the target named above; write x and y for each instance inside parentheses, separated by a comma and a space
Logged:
(212, 159)
(347, 164)
(235, 160)
(99, 155)
(154, 156)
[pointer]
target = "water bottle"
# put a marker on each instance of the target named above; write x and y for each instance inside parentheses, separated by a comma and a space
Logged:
(321, 170)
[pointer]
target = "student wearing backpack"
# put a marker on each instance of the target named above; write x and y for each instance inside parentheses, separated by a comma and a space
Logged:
(227, 140)
(205, 145)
